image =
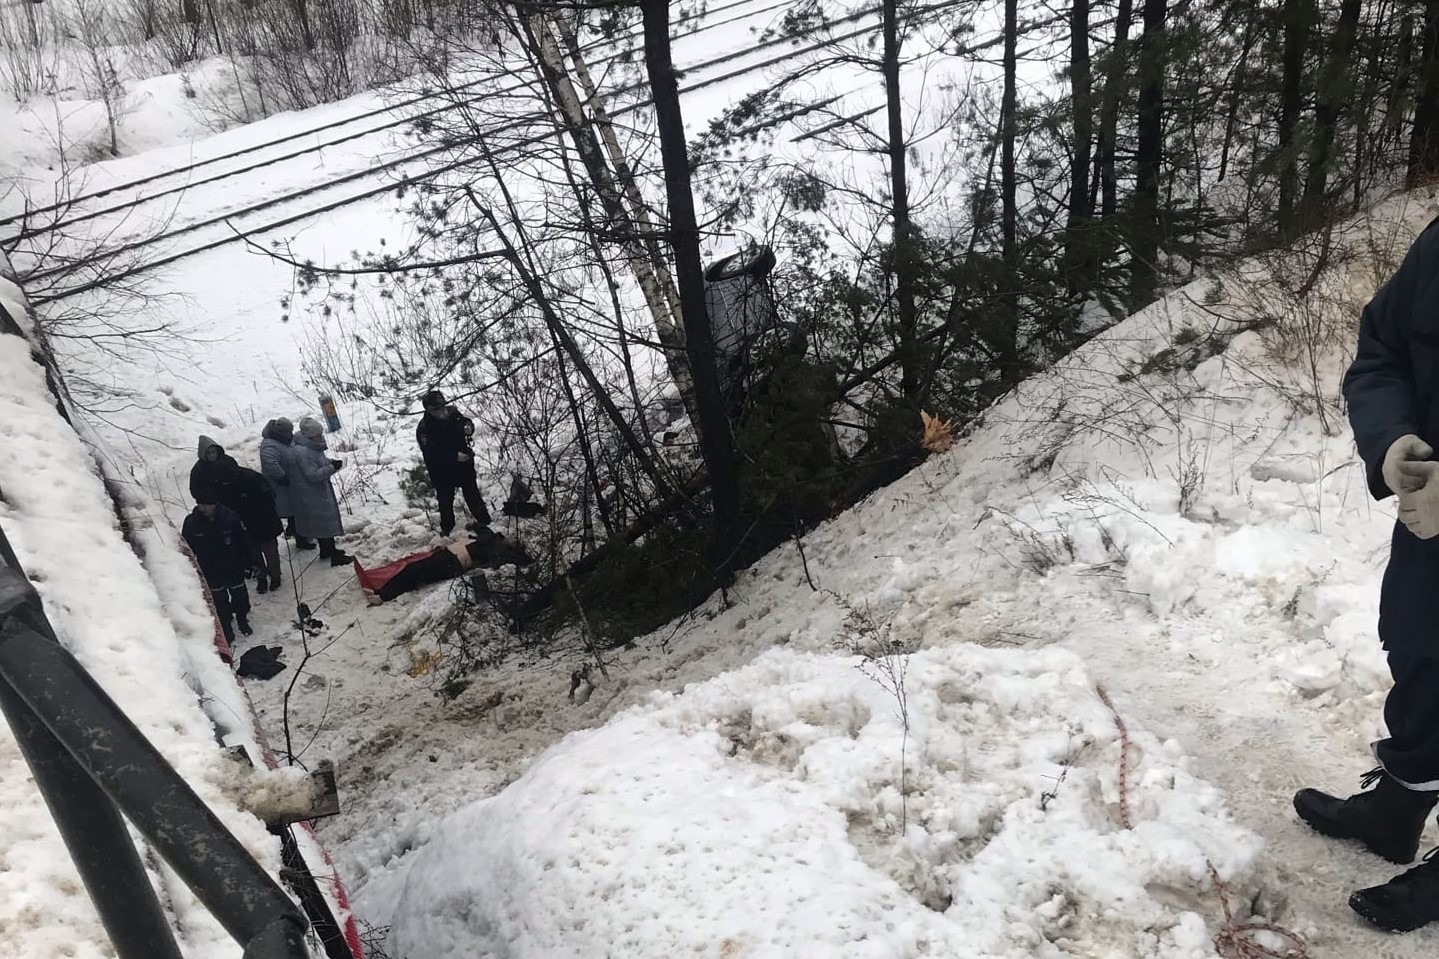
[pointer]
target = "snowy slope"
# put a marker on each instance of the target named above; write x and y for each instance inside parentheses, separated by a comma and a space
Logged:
(781, 810)
(1163, 514)
(1156, 512)
(143, 631)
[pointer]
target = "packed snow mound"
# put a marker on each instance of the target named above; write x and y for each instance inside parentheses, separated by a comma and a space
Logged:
(760, 814)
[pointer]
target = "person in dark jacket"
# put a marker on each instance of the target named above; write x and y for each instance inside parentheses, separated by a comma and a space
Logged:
(486, 549)
(275, 442)
(444, 436)
(248, 495)
(1392, 389)
(216, 536)
(317, 511)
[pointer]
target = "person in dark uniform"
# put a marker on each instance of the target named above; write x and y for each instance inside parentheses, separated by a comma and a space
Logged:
(216, 536)
(444, 436)
(250, 496)
(1392, 389)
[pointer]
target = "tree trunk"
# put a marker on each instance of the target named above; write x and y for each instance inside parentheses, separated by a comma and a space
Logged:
(1398, 103)
(147, 19)
(215, 28)
(904, 252)
(622, 220)
(302, 14)
(1424, 144)
(1147, 236)
(1335, 89)
(1079, 242)
(716, 443)
(1114, 86)
(1296, 17)
(1009, 212)
(627, 180)
(1231, 111)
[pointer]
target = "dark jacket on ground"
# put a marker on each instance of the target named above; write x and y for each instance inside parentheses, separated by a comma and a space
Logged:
(243, 490)
(220, 546)
(442, 442)
(1392, 388)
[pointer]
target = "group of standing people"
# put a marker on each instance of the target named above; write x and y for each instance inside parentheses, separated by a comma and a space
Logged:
(240, 514)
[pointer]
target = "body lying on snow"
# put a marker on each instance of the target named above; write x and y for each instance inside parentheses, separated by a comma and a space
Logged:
(487, 549)
(1392, 390)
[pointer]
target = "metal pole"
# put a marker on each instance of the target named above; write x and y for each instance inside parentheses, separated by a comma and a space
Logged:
(108, 747)
(97, 838)
(92, 828)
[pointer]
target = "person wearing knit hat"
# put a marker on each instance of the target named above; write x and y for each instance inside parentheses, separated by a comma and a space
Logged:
(276, 440)
(312, 496)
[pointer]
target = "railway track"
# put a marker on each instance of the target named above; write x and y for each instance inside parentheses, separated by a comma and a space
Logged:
(293, 206)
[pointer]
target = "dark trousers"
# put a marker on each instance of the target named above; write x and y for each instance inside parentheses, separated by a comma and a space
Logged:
(291, 534)
(269, 556)
(445, 492)
(1411, 753)
(230, 601)
(435, 568)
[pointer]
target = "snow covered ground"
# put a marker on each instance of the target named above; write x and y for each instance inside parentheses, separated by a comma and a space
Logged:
(1164, 514)
(138, 622)
(1158, 515)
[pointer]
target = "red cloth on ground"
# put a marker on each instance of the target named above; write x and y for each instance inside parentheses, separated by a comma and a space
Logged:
(373, 579)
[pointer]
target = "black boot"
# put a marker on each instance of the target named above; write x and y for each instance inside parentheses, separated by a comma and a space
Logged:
(262, 585)
(1404, 903)
(1389, 818)
(243, 624)
(302, 543)
(274, 583)
(341, 558)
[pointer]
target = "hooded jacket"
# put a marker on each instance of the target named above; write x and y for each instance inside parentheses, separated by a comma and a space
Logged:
(275, 464)
(207, 474)
(242, 490)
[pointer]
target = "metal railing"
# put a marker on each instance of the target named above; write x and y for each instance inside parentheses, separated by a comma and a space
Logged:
(95, 769)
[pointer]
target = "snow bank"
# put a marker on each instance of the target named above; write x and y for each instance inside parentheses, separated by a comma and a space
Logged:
(104, 607)
(761, 814)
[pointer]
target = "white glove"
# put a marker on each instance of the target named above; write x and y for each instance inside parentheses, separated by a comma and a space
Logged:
(1419, 509)
(1406, 450)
